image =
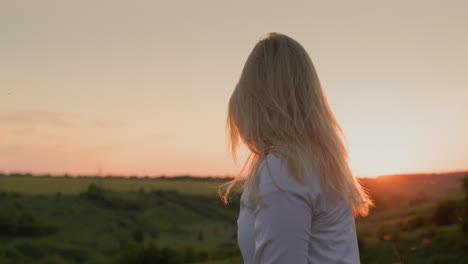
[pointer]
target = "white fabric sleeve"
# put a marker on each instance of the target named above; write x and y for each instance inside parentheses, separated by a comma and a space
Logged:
(282, 229)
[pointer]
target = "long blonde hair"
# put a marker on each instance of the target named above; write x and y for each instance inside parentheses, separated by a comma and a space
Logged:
(278, 106)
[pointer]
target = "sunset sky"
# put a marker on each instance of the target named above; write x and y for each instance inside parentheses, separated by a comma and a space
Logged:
(141, 87)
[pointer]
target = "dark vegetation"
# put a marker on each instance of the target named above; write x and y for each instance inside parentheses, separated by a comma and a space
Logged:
(426, 227)
(103, 226)
(418, 219)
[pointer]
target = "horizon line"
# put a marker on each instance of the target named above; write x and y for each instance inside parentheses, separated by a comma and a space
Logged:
(226, 176)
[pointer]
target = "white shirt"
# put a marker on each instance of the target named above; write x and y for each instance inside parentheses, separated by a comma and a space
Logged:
(298, 226)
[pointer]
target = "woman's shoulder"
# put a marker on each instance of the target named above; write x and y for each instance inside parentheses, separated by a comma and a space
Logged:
(274, 175)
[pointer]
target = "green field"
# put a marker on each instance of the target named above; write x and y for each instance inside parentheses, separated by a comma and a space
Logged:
(51, 185)
(418, 219)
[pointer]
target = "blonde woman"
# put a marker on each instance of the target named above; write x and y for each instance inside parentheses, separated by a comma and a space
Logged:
(300, 197)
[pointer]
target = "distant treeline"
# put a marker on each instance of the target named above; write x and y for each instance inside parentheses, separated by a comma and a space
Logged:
(181, 177)
(419, 176)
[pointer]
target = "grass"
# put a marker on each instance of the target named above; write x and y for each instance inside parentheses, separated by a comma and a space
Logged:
(52, 185)
(64, 220)
(441, 246)
(90, 227)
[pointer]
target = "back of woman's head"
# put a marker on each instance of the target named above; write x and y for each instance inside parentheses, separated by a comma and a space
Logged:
(278, 106)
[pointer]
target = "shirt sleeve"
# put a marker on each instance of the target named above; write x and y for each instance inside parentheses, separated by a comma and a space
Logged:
(282, 229)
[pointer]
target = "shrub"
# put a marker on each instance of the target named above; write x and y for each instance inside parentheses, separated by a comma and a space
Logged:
(52, 259)
(13, 223)
(189, 254)
(389, 232)
(361, 244)
(200, 236)
(9, 255)
(39, 250)
(416, 222)
(114, 200)
(138, 236)
(148, 254)
(95, 191)
(446, 212)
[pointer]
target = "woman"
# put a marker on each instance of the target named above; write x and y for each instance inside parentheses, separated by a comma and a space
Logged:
(300, 197)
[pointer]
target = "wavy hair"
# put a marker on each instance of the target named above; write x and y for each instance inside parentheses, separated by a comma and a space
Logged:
(278, 106)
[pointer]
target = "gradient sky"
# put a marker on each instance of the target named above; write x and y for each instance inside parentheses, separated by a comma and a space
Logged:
(141, 87)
